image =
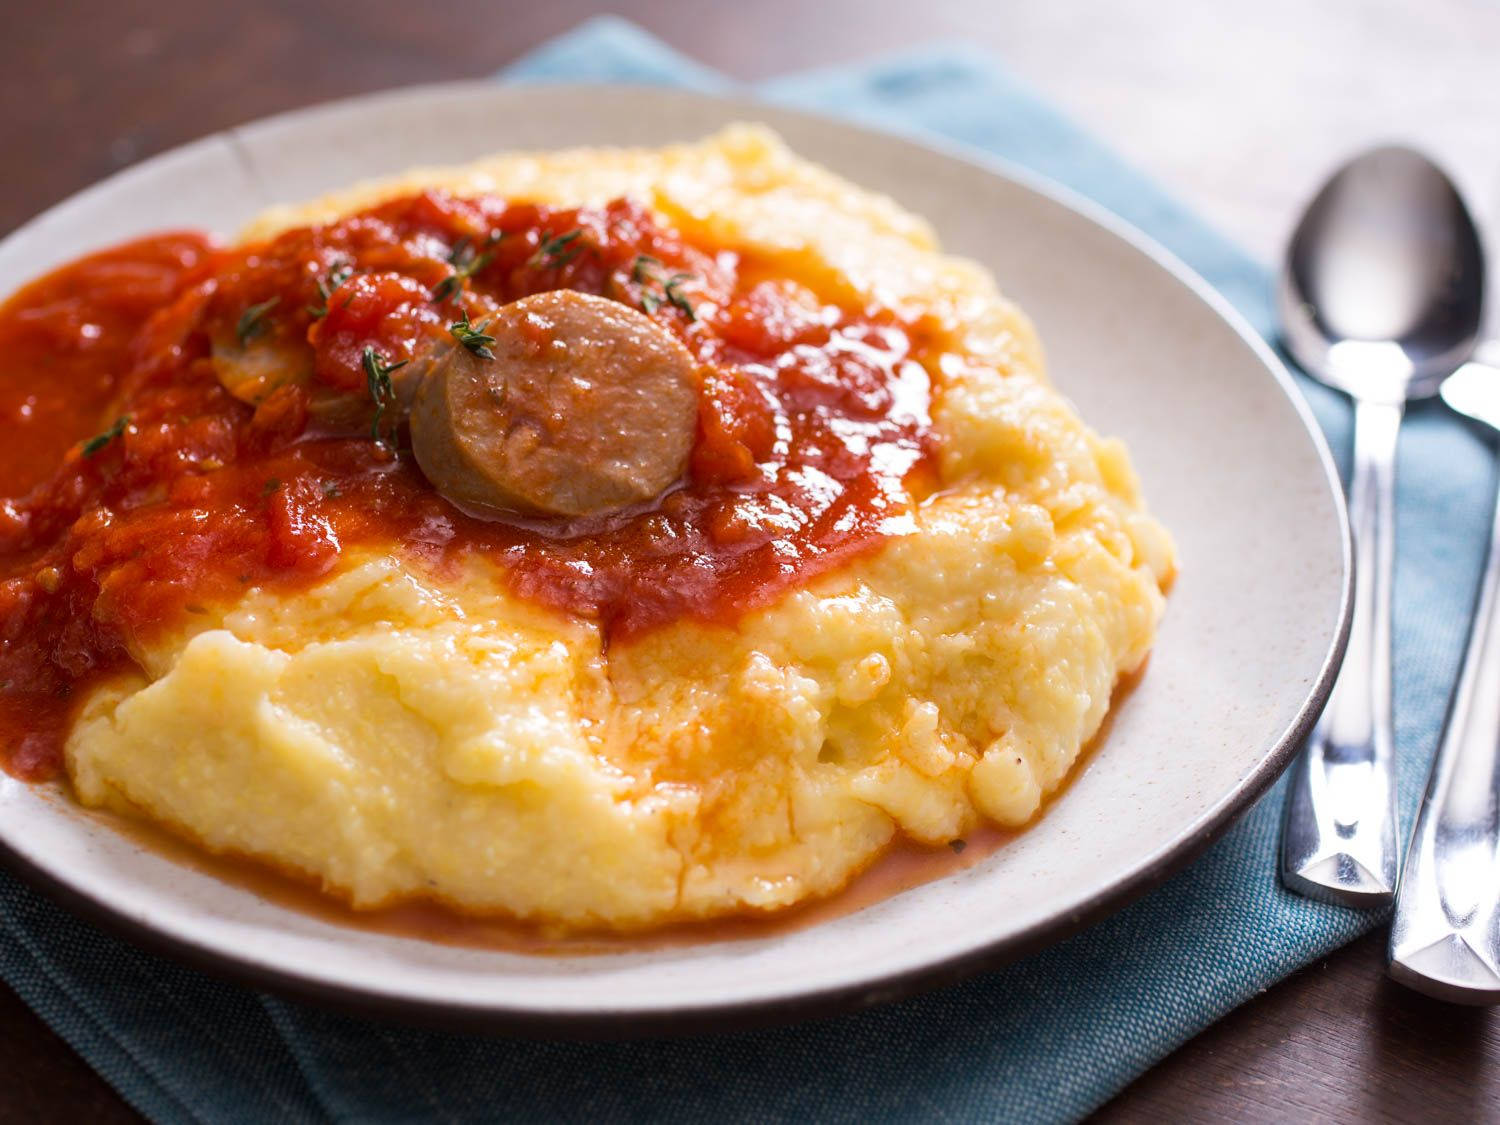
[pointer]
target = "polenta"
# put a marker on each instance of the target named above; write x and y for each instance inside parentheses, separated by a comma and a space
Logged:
(684, 594)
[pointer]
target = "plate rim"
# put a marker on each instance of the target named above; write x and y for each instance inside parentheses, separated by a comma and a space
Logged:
(1186, 844)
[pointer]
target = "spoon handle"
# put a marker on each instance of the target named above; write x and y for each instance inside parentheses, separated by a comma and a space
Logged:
(1445, 938)
(1338, 841)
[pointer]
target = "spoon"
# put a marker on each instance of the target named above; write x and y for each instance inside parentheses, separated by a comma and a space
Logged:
(1380, 298)
(1445, 937)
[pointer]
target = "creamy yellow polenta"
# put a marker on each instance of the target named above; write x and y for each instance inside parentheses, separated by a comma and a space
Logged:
(393, 734)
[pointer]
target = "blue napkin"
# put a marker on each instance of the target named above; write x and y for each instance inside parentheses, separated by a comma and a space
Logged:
(1049, 1038)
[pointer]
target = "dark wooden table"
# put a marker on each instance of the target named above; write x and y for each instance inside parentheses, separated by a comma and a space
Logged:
(90, 87)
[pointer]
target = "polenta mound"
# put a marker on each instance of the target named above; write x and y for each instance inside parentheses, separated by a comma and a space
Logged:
(888, 597)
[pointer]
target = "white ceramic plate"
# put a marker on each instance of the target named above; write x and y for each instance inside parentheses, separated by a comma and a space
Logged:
(1230, 461)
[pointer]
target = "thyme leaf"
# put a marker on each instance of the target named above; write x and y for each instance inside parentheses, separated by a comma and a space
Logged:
(252, 321)
(378, 383)
(99, 441)
(646, 273)
(557, 250)
(473, 336)
(330, 281)
(644, 269)
(466, 262)
(673, 291)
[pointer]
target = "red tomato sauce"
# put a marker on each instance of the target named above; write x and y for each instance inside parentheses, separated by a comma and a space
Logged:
(184, 422)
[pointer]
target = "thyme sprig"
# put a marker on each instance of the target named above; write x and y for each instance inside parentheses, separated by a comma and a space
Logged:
(466, 260)
(253, 320)
(382, 392)
(557, 250)
(657, 289)
(330, 281)
(673, 290)
(643, 272)
(473, 336)
(99, 441)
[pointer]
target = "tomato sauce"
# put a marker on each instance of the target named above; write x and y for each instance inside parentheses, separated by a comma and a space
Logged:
(186, 421)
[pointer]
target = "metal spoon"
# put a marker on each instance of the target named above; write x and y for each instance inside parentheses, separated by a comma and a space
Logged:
(1381, 298)
(1445, 937)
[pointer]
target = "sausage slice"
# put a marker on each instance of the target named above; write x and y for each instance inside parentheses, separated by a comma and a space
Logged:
(586, 407)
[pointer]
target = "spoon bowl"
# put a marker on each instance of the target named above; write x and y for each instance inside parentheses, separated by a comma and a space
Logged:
(1382, 292)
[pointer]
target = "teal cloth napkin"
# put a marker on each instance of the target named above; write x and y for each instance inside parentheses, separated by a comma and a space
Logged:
(1048, 1038)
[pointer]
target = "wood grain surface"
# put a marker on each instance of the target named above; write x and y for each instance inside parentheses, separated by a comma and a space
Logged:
(1238, 107)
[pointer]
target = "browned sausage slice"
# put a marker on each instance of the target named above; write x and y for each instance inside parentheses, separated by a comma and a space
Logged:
(587, 407)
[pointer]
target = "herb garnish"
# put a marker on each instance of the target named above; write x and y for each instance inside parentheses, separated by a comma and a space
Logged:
(644, 269)
(252, 320)
(557, 250)
(643, 272)
(673, 291)
(378, 381)
(99, 441)
(335, 277)
(466, 262)
(646, 272)
(473, 336)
